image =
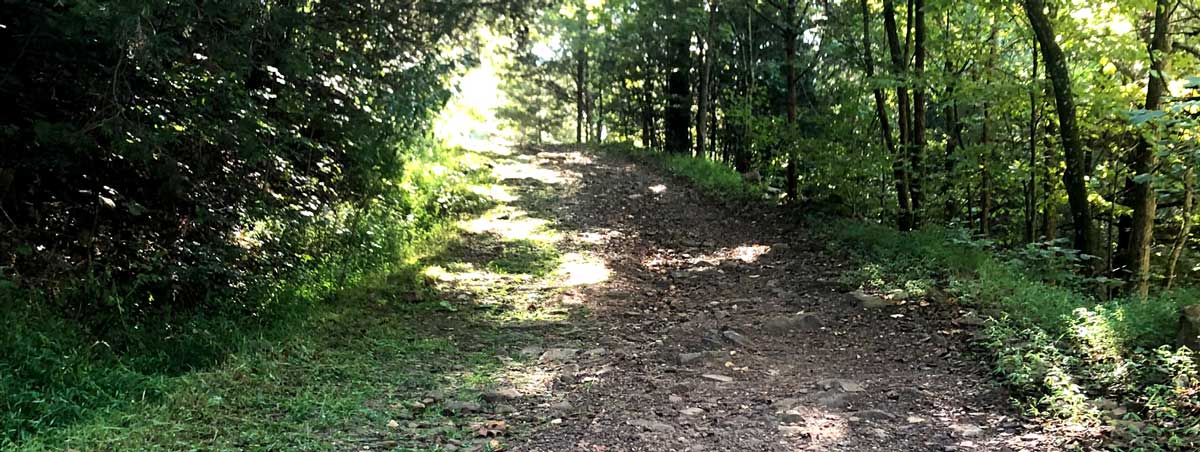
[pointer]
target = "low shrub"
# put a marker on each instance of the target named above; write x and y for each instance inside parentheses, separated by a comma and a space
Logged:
(64, 362)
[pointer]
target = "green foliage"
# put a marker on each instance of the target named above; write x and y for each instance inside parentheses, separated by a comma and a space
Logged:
(65, 370)
(345, 370)
(711, 176)
(178, 179)
(170, 155)
(1056, 345)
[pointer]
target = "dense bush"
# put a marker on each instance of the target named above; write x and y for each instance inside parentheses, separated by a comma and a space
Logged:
(171, 153)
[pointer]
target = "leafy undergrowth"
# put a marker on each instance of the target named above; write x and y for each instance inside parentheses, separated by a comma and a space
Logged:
(1100, 366)
(357, 366)
(1106, 366)
(710, 176)
(333, 356)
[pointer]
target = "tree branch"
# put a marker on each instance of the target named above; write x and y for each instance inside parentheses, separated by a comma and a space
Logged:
(772, 22)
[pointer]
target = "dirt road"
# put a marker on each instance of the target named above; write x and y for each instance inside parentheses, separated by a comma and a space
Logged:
(722, 327)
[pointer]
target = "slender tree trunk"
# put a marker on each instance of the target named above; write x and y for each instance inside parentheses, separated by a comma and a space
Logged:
(970, 196)
(743, 161)
(953, 136)
(1109, 245)
(1145, 202)
(885, 129)
(714, 96)
(580, 102)
(702, 98)
(917, 147)
(950, 113)
(985, 175)
(985, 139)
(1124, 224)
(906, 219)
(1185, 229)
(789, 65)
(1031, 185)
(1075, 176)
(1049, 214)
(677, 122)
(598, 112)
(648, 112)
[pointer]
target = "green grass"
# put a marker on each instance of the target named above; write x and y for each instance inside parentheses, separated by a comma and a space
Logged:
(333, 356)
(344, 373)
(710, 176)
(1032, 284)
(525, 256)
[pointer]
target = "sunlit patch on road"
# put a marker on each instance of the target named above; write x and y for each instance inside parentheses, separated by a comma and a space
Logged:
(578, 269)
(511, 224)
(521, 170)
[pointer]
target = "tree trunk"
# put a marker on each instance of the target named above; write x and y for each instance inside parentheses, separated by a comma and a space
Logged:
(714, 90)
(1049, 214)
(906, 216)
(648, 112)
(679, 99)
(985, 175)
(1185, 229)
(1074, 178)
(789, 65)
(580, 102)
(742, 158)
(953, 131)
(985, 140)
(904, 220)
(1145, 202)
(917, 147)
(1031, 185)
(950, 113)
(702, 98)
(949, 116)
(598, 112)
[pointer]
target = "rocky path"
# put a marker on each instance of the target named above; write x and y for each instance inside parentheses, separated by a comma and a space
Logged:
(724, 328)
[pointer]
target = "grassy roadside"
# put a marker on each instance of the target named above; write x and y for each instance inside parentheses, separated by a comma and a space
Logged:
(710, 176)
(341, 363)
(1104, 368)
